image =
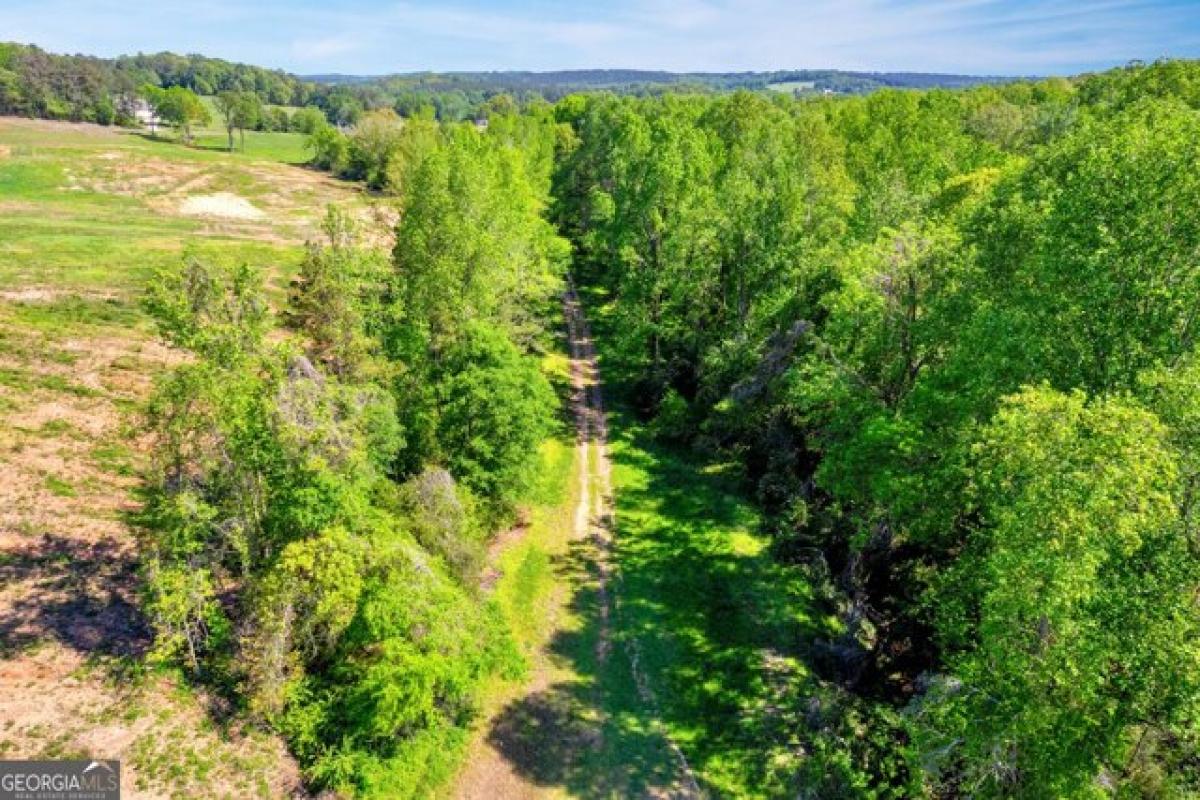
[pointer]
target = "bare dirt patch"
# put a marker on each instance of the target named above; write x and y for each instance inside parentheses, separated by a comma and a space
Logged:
(166, 744)
(224, 205)
(72, 637)
(46, 294)
(142, 177)
(57, 126)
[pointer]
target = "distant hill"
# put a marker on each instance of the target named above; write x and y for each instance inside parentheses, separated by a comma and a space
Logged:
(566, 81)
(80, 88)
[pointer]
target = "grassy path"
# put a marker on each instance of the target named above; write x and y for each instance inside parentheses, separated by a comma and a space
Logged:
(593, 424)
(549, 737)
(723, 632)
(667, 645)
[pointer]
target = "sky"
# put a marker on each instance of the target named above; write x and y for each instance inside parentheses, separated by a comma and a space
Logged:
(993, 37)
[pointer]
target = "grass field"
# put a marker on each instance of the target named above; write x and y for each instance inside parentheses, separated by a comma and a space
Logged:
(791, 87)
(86, 216)
(286, 148)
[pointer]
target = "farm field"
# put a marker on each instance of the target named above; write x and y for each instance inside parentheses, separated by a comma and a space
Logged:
(87, 214)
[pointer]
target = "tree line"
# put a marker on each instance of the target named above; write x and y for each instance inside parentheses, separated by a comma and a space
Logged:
(79, 88)
(328, 473)
(950, 338)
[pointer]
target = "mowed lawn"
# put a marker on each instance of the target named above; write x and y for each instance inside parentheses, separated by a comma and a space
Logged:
(286, 148)
(87, 214)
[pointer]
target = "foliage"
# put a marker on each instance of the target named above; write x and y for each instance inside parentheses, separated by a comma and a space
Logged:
(179, 107)
(330, 149)
(494, 408)
(307, 120)
(322, 498)
(849, 299)
(946, 340)
(334, 299)
(240, 110)
(1078, 592)
(277, 566)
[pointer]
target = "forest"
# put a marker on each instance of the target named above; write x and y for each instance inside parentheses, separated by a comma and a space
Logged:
(902, 384)
(946, 340)
(949, 337)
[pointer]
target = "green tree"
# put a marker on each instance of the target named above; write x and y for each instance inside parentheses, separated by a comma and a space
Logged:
(495, 406)
(373, 143)
(179, 107)
(1085, 628)
(1087, 251)
(308, 120)
(330, 148)
(471, 243)
(334, 299)
(239, 110)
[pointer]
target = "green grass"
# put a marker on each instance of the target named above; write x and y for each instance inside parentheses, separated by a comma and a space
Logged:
(527, 575)
(26, 381)
(534, 591)
(83, 208)
(720, 627)
(114, 459)
(789, 87)
(58, 428)
(707, 607)
(59, 487)
(286, 148)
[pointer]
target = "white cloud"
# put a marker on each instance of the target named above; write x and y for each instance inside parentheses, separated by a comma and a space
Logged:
(997, 36)
(327, 46)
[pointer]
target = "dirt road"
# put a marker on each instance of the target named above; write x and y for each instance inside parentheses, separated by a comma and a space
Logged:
(537, 745)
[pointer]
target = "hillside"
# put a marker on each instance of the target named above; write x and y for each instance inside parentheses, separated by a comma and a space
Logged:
(555, 84)
(89, 213)
(36, 83)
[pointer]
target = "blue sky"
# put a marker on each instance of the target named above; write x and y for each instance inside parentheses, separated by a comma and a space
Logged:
(379, 36)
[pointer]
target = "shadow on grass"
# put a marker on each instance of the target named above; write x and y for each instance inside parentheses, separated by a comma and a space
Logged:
(160, 138)
(589, 734)
(79, 593)
(724, 628)
(720, 631)
(156, 137)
